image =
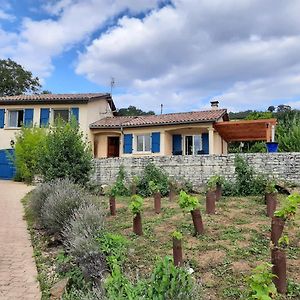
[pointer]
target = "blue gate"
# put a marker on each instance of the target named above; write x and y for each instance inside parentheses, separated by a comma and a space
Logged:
(7, 168)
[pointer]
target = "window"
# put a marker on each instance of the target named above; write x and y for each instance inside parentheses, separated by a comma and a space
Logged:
(61, 114)
(193, 145)
(143, 143)
(15, 118)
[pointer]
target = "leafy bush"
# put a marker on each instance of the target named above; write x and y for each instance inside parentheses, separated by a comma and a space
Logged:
(177, 235)
(65, 154)
(118, 286)
(270, 187)
(246, 183)
(120, 188)
(288, 132)
(187, 202)
(289, 207)
(65, 198)
(261, 284)
(29, 142)
(38, 197)
(136, 204)
(114, 247)
(82, 229)
(158, 176)
(169, 282)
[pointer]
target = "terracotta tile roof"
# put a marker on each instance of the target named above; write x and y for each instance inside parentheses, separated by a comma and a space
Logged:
(56, 98)
(165, 119)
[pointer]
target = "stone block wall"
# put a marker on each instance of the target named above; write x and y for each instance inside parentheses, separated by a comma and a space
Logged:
(197, 169)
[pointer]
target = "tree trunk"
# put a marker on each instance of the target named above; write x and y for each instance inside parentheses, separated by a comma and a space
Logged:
(137, 224)
(177, 252)
(211, 202)
(112, 205)
(218, 192)
(197, 221)
(276, 229)
(157, 202)
(279, 269)
(271, 204)
(172, 193)
(133, 189)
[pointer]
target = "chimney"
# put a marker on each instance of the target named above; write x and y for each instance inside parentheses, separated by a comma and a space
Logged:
(214, 104)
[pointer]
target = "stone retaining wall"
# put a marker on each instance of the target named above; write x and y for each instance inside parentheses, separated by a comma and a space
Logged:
(197, 169)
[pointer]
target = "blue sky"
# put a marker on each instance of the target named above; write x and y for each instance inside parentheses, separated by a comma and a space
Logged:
(181, 53)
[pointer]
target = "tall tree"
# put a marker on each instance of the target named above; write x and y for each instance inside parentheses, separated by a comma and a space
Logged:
(15, 80)
(133, 111)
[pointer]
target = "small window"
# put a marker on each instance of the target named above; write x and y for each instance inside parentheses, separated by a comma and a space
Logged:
(143, 143)
(15, 118)
(61, 114)
(193, 145)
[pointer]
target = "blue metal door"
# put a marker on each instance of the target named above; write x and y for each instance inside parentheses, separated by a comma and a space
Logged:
(7, 168)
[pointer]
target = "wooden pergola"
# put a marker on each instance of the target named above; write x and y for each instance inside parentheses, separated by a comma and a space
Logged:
(247, 130)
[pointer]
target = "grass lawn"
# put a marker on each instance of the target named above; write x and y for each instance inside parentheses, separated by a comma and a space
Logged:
(236, 240)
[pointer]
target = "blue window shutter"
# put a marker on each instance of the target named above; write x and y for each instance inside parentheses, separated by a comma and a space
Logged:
(205, 143)
(2, 114)
(75, 113)
(177, 144)
(128, 143)
(44, 119)
(155, 142)
(28, 117)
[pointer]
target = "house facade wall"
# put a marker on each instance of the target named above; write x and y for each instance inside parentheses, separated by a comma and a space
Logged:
(88, 113)
(166, 133)
(198, 169)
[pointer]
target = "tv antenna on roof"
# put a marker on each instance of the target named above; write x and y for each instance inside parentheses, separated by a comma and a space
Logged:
(112, 84)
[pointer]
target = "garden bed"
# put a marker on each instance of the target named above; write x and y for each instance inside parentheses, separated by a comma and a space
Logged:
(236, 240)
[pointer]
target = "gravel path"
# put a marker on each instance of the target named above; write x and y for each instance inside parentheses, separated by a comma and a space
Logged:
(17, 267)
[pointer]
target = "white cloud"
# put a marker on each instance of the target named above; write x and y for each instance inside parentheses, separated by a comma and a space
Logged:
(205, 48)
(5, 16)
(74, 23)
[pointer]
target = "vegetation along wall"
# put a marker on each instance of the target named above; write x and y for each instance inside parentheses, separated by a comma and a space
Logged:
(197, 169)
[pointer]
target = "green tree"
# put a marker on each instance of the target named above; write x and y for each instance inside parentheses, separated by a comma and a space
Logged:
(256, 115)
(15, 80)
(288, 131)
(65, 154)
(29, 142)
(133, 111)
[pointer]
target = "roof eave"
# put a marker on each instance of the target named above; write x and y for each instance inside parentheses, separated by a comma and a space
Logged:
(153, 125)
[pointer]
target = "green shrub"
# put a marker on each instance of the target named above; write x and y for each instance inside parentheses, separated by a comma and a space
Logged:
(38, 197)
(246, 183)
(65, 198)
(114, 247)
(120, 188)
(29, 142)
(187, 202)
(118, 286)
(82, 228)
(288, 132)
(136, 204)
(261, 284)
(289, 207)
(169, 282)
(158, 176)
(65, 154)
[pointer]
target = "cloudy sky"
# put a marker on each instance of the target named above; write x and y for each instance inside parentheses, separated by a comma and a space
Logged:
(181, 53)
